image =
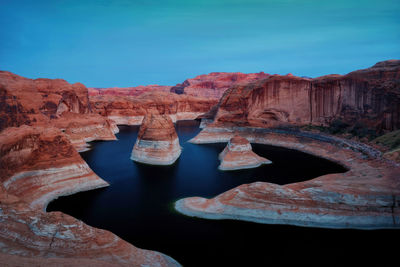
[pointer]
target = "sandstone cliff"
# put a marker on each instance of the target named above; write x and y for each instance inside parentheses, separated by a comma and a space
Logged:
(214, 85)
(131, 110)
(128, 91)
(370, 97)
(157, 142)
(43, 102)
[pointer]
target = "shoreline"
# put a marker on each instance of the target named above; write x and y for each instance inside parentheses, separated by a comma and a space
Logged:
(364, 197)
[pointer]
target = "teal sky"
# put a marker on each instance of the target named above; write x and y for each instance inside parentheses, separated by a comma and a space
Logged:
(128, 43)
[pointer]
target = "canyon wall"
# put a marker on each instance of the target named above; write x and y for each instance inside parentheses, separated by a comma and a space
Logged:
(55, 102)
(214, 85)
(370, 96)
(131, 110)
(128, 91)
(211, 85)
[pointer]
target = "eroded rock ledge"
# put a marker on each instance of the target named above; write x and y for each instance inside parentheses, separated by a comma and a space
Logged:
(238, 155)
(366, 197)
(157, 142)
(38, 165)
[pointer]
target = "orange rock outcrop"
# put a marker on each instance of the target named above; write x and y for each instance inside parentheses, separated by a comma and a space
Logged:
(157, 142)
(238, 155)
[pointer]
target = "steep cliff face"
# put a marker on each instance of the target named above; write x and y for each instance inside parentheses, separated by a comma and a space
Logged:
(370, 96)
(157, 142)
(25, 101)
(131, 110)
(44, 102)
(214, 85)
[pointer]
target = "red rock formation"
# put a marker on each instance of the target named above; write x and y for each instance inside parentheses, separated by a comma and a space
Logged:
(238, 155)
(157, 142)
(214, 85)
(131, 110)
(44, 102)
(128, 91)
(364, 197)
(369, 96)
(211, 85)
(37, 166)
(83, 128)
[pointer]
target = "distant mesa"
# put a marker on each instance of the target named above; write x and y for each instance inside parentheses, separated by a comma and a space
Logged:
(157, 142)
(238, 155)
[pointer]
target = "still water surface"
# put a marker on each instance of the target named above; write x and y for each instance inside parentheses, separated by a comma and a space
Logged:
(138, 206)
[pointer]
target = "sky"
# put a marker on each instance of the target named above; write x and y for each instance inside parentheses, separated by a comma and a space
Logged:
(128, 43)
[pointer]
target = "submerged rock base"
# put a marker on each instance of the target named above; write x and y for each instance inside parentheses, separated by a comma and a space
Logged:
(238, 155)
(157, 142)
(156, 152)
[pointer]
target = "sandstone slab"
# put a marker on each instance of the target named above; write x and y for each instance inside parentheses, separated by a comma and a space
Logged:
(238, 155)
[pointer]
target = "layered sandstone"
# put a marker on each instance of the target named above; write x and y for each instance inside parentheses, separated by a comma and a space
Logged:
(238, 154)
(38, 165)
(128, 91)
(43, 102)
(157, 142)
(364, 197)
(83, 128)
(214, 85)
(370, 97)
(131, 110)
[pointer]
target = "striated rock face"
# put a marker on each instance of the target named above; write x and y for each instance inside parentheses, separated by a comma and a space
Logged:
(26, 101)
(157, 142)
(238, 155)
(366, 197)
(370, 96)
(43, 102)
(131, 110)
(214, 85)
(38, 165)
(83, 128)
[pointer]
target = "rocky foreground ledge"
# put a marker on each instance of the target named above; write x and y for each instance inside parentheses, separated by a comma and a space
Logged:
(38, 165)
(365, 197)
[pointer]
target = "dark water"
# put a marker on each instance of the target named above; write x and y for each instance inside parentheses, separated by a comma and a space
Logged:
(138, 207)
